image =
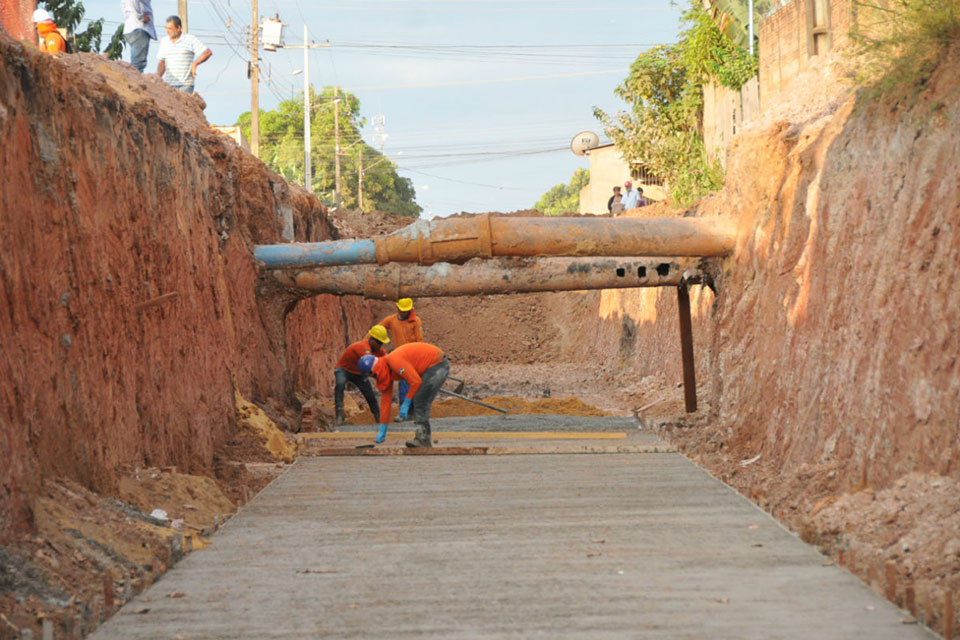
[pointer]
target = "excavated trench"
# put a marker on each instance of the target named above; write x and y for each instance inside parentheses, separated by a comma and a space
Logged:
(149, 363)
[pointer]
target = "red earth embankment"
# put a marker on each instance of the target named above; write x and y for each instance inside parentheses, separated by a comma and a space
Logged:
(828, 363)
(127, 285)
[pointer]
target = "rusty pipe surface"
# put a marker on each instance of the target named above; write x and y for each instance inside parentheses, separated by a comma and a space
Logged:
(497, 275)
(456, 240)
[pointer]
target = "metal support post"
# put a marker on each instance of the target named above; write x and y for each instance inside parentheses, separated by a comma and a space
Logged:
(686, 349)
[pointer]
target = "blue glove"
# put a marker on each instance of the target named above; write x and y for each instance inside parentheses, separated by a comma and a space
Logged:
(405, 408)
(382, 434)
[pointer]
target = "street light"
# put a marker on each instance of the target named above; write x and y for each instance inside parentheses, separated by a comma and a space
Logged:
(284, 75)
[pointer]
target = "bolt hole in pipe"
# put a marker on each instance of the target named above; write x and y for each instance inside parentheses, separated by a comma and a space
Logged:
(621, 272)
(663, 269)
(641, 272)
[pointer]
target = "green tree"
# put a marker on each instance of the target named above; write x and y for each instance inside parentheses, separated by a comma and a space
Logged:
(898, 45)
(564, 198)
(281, 148)
(664, 125)
(709, 54)
(68, 14)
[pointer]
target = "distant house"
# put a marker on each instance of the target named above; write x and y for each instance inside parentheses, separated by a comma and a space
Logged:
(234, 133)
(607, 170)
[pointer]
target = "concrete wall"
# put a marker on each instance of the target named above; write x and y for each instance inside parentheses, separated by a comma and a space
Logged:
(793, 36)
(607, 170)
(793, 40)
(725, 111)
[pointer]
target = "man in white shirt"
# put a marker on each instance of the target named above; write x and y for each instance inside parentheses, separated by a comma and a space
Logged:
(179, 55)
(630, 199)
(138, 30)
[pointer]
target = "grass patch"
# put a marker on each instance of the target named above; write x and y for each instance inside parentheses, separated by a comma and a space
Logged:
(899, 43)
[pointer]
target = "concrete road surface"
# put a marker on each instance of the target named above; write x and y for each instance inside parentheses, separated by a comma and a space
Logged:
(642, 545)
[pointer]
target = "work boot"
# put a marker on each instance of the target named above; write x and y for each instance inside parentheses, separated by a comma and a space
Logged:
(421, 438)
(341, 418)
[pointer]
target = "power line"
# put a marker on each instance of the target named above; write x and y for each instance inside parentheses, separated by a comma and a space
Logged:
(460, 83)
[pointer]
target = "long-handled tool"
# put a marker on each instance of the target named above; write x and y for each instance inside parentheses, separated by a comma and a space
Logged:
(482, 404)
(459, 388)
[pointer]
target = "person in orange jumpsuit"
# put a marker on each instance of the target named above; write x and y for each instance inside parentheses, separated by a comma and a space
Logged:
(425, 368)
(346, 370)
(405, 327)
(50, 39)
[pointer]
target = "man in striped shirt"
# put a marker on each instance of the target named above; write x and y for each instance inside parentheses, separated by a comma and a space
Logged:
(179, 55)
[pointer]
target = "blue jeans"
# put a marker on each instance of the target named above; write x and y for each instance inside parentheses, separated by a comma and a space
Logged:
(341, 378)
(139, 41)
(186, 88)
(431, 381)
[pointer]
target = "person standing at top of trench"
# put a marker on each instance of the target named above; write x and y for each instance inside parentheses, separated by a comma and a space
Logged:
(179, 55)
(49, 36)
(405, 327)
(615, 203)
(138, 30)
(346, 370)
(631, 198)
(424, 368)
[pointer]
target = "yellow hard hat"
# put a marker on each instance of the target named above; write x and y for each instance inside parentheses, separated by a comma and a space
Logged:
(378, 332)
(404, 304)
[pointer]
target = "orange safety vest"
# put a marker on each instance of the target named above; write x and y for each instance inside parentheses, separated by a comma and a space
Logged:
(50, 39)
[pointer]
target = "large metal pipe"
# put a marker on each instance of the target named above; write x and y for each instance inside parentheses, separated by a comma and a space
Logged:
(498, 275)
(456, 240)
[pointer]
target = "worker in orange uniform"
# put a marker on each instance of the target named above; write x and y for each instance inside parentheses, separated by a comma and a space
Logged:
(424, 367)
(50, 39)
(347, 370)
(405, 327)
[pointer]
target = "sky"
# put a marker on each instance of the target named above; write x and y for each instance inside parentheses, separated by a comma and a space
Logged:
(479, 98)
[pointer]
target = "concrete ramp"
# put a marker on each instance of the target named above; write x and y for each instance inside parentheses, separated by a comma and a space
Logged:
(634, 545)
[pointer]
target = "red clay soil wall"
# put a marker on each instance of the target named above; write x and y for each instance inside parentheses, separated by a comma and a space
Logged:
(833, 345)
(16, 17)
(115, 192)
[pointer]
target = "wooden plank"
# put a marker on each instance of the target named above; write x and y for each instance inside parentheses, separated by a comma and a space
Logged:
(492, 450)
(470, 435)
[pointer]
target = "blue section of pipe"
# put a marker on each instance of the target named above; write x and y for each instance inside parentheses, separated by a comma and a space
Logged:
(316, 253)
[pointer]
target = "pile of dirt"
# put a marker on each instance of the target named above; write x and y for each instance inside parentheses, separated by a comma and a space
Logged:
(455, 407)
(91, 554)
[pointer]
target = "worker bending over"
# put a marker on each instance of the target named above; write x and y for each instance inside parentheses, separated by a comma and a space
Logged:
(347, 370)
(424, 367)
(406, 328)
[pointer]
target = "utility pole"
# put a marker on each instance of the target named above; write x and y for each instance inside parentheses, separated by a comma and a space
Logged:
(336, 143)
(255, 83)
(182, 13)
(307, 168)
(360, 178)
(307, 118)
